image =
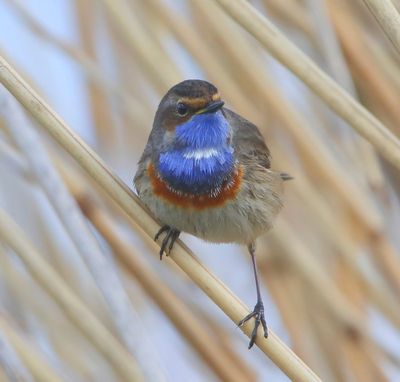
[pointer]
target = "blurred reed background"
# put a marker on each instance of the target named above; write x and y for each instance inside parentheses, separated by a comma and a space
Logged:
(83, 295)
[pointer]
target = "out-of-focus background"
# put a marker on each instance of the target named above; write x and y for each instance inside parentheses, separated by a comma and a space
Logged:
(330, 268)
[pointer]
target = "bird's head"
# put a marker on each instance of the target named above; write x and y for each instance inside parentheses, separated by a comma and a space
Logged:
(191, 138)
(190, 108)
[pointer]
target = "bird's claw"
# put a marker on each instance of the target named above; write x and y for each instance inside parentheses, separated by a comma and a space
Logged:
(258, 314)
(168, 242)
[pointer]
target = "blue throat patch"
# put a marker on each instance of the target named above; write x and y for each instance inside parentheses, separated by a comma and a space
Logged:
(202, 159)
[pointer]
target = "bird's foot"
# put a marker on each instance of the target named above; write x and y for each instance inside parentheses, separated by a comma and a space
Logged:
(171, 236)
(258, 314)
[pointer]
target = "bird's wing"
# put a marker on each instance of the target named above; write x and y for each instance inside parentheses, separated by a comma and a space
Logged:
(248, 143)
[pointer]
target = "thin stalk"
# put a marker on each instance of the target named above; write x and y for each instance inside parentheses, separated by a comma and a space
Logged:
(101, 267)
(388, 18)
(82, 317)
(180, 315)
(129, 202)
(327, 89)
(11, 362)
(37, 365)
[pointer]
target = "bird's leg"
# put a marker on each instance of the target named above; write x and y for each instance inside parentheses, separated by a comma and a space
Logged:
(258, 311)
(171, 236)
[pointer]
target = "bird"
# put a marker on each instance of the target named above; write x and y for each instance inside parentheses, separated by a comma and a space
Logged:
(206, 171)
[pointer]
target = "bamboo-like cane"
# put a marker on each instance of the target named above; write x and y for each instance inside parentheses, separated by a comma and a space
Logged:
(148, 55)
(11, 362)
(199, 49)
(177, 311)
(313, 274)
(326, 88)
(93, 72)
(86, 321)
(388, 18)
(330, 48)
(291, 12)
(364, 63)
(99, 104)
(313, 152)
(103, 270)
(36, 364)
(217, 291)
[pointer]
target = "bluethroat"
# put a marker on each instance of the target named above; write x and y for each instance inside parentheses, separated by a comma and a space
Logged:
(206, 171)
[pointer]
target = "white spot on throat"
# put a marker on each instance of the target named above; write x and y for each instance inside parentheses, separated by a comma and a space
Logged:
(201, 153)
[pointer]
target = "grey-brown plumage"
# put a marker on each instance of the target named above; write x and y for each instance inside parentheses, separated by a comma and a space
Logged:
(207, 171)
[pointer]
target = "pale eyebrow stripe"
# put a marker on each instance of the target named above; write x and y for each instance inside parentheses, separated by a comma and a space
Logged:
(216, 97)
(199, 101)
(194, 102)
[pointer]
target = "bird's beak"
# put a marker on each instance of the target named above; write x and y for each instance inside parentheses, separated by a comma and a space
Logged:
(212, 107)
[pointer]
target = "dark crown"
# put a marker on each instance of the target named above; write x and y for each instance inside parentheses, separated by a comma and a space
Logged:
(194, 89)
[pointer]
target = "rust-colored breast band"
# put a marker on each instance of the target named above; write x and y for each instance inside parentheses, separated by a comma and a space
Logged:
(196, 202)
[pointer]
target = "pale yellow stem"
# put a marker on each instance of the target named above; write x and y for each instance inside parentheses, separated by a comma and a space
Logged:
(325, 87)
(273, 347)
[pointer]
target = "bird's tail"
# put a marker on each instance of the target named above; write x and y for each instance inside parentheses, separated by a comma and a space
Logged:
(285, 176)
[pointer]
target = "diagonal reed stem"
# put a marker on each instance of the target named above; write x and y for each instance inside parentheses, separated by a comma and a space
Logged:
(37, 365)
(79, 314)
(324, 86)
(102, 268)
(11, 362)
(273, 347)
(388, 18)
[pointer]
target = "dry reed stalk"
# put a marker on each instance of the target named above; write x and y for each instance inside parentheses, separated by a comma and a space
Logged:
(388, 18)
(146, 51)
(341, 238)
(93, 329)
(87, 15)
(355, 345)
(282, 284)
(359, 363)
(305, 316)
(296, 297)
(337, 303)
(291, 12)
(327, 89)
(348, 248)
(11, 362)
(47, 327)
(200, 50)
(136, 111)
(222, 296)
(329, 337)
(385, 61)
(329, 46)
(313, 312)
(363, 63)
(102, 268)
(184, 319)
(334, 231)
(390, 265)
(313, 273)
(223, 336)
(387, 259)
(71, 268)
(317, 157)
(179, 314)
(14, 160)
(36, 364)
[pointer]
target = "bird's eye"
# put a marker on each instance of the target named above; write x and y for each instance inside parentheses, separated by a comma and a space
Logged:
(182, 109)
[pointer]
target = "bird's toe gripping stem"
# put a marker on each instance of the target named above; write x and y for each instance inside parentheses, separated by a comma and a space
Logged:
(258, 314)
(171, 236)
